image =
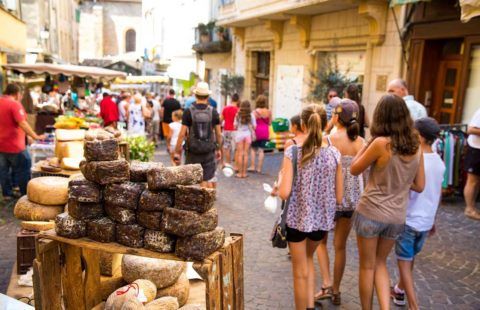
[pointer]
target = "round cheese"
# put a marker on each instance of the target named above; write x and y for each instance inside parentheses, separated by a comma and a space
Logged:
(48, 190)
(30, 211)
(148, 287)
(37, 225)
(181, 290)
(71, 163)
(161, 272)
(164, 303)
(120, 296)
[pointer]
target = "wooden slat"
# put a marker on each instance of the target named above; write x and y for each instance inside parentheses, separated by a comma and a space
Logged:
(37, 287)
(210, 271)
(51, 287)
(93, 292)
(108, 247)
(237, 256)
(72, 280)
(228, 300)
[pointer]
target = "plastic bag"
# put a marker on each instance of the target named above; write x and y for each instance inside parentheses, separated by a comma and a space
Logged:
(271, 203)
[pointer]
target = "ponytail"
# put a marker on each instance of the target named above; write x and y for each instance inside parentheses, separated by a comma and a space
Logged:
(353, 128)
(312, 118)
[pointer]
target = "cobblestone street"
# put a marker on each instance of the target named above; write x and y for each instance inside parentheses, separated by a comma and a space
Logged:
(447, 271)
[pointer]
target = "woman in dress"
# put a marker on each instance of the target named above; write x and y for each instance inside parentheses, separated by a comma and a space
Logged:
(137, 112)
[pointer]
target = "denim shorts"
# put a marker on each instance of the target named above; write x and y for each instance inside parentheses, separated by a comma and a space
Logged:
(368, 228)
(409, 243)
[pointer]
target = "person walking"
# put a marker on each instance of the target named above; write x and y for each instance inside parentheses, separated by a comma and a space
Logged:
(244, 131)
(169, 105)
(109, 111)
(137, 112)
(228, 118)
(396, 162)
(421, 211)
(399, 88)
(314, 193)
(332, 93)
(155, 122)
(263, 118)
(352, 92)
(14, 158)
(472, 166)
(126, 97)
(348, 142)
(175, 127)
(204, 141)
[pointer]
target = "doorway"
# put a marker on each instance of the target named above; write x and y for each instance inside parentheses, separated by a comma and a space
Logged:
(261, 74)
(446, 91)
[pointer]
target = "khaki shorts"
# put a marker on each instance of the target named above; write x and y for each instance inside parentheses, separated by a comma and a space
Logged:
(228, 139)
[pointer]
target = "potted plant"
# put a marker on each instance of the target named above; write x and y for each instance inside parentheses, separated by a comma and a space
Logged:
(204, 33)
(220, 31)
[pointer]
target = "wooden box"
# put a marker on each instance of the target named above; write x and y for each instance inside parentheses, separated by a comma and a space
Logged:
(25, 250)
(67, 272)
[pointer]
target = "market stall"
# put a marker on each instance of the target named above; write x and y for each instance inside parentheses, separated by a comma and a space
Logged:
(153, 83)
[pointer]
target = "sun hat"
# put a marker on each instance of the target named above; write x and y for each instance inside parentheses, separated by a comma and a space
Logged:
(202, 89)
(428, 128)
(347, 111)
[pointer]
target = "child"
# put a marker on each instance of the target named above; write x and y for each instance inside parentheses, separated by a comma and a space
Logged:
(314, 194)
(296, 129)
(421, 211)
(172, 138)
(396, 167)
(245, 127)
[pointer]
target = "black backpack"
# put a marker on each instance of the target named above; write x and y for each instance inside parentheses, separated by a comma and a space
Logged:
(200, 139)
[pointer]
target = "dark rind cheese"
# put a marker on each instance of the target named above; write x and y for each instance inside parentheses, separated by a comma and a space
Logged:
(84, 191)
(120, 215)
(159, 241)
(130, 235)
(101, 150)
(194, 198)
(150, 220)
(168, 177)
(105, 172)
(101, 230)
(200, 246)
(138, 170)
(68, 227)
(125, 195)
(84, 210)
(155, 201)
(187, 223)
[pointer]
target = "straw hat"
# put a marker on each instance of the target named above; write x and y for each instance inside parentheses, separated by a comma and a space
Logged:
(202, 89)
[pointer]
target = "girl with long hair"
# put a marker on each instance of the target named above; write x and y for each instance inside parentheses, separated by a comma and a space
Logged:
(245, 128)
(313, 194)
(348, 142)
(396, 168)
(263, 117)
(352, 92)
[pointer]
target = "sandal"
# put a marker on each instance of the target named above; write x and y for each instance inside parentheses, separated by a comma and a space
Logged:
(336, 299)
(472, 213)
(251, 170)
(325, 293)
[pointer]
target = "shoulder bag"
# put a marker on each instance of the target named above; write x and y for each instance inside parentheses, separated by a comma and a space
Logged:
(279, 233)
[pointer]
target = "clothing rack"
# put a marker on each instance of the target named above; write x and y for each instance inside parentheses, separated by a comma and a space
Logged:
(459, 126)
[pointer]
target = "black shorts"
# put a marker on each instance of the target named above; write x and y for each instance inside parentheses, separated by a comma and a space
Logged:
(345, 214)
(207, 161)
(472, 161)
(259, 144)
(294, 235)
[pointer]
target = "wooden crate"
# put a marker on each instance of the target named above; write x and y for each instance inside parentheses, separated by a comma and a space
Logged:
(67, 272)
(25, 250)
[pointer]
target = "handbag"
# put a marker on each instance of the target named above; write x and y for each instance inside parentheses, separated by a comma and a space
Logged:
(279, 232)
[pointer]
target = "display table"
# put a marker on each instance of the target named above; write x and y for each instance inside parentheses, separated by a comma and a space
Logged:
(60, 282)
(39, 151)
(38, 172)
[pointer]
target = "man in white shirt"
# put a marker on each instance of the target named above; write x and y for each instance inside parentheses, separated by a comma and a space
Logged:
(472, 165)
(399, 88)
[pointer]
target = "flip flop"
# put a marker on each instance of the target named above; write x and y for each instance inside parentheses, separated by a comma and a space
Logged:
(251, 170)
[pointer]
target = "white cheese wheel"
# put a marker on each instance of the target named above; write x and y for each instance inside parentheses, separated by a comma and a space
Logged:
(70, 134)
(181, 290)
(48, 190)
(71, 163)
(148, 287)
(30, 211)
(161, 272)
(37, 225)
(164, 303)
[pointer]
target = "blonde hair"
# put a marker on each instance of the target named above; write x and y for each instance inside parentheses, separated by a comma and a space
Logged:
(178, 114)
(312, 118)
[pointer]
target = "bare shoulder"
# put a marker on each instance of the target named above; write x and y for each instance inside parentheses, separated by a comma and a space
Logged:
(380, 142)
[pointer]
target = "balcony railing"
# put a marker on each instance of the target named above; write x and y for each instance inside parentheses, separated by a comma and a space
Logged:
(211, 41)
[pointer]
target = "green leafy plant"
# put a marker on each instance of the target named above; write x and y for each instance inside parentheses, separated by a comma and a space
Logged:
(328, 76)
(203, 29)
(140, 148)
(231, 84)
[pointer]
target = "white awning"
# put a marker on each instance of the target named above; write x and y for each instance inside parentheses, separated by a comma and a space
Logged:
(68, 70)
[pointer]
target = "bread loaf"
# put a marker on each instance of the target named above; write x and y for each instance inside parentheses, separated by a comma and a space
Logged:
(67, 226)
(51, 191)
(30, 211)
(159, 241)
(169, 177)
(155, 201)
(120, 215)
(188, 223)
(150, 220)
(84, 210)
(105, 172)
(164, 303)
(180, 290)
(130, 235)
(37, 225)
(200, 246)
(83, 190)
(120, 296)
(125, 195)
(101, 230)
(194, 198)
(104, 150)
(162, 273)
(138, 170)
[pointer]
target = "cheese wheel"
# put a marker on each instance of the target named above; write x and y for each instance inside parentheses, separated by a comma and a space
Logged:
(69, 134)
(181, 290)
(71, 163)
(148, 287)
(30, 211)
(37, 225)
(164, 303)
(52, 191)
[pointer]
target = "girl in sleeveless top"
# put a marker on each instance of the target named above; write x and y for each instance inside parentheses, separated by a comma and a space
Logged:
(296, 129)
(348, 141)
(263, 119)
(313, 197)
(396, 168)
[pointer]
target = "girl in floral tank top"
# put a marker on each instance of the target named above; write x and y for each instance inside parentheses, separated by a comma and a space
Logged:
(314, 194)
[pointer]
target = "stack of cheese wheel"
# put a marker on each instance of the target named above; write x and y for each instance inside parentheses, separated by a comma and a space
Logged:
(69, 147)
(46, 198)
